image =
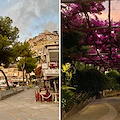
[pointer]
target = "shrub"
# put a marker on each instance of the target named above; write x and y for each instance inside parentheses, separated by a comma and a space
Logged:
(113, 80)
(90, 80)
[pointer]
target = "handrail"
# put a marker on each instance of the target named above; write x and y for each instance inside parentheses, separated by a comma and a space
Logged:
(77, 98)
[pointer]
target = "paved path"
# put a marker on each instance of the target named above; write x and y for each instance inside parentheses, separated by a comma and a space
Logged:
(101, 109)
(23, 106)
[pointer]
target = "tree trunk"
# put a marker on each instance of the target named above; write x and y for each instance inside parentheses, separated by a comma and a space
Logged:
(29, 77)
(26, 79)
(5, 78)
(22, 68)
(23, 77)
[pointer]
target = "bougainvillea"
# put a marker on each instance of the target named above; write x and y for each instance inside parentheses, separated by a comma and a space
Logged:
(103, 36)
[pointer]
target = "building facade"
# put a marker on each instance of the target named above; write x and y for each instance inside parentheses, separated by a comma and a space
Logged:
(12, 74)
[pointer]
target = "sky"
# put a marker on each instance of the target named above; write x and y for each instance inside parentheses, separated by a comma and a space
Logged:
(115, 10)
(34, 16)
(31, 17)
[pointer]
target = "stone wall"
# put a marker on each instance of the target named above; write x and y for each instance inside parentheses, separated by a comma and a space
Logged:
(6, 93)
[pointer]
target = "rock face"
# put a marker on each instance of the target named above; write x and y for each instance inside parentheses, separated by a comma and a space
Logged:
(38, 42)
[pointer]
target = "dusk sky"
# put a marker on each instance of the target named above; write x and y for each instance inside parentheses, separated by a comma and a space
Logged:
(115, 10)
(31, 16)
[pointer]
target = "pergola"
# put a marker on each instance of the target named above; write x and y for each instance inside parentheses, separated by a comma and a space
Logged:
(105, 48)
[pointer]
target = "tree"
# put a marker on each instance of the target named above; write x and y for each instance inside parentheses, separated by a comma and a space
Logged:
(30, 64)
(6, 29)
(67, 89)
(8, 35)
(5, 50)
(90, 80)
(102, 37)
(113, 80)
(26, 62)
(103, 41)
(22, 50)
(74, 49)
(113, 73)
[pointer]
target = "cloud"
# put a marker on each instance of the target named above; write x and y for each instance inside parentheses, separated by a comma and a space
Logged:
(50, 26)
(27, 13)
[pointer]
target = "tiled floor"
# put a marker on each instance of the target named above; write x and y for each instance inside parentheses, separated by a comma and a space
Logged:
(23, 106)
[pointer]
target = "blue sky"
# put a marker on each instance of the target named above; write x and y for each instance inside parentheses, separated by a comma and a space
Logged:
(31, 16)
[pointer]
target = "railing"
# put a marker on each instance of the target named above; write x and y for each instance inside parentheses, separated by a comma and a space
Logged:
(46, 95)
(75, 103)
(75, 99)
